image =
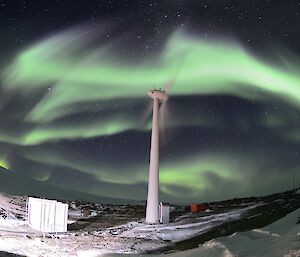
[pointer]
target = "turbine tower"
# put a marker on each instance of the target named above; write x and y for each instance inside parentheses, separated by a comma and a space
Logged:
(152, 215)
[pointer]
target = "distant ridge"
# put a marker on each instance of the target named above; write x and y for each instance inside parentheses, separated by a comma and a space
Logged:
(16, 184)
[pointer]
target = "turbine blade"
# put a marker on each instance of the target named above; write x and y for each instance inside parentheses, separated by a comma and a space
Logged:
(168, 85)
(163, 120)
(147, 114)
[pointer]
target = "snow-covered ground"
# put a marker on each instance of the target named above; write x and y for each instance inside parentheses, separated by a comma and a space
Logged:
(178, 230)
(280, 239)
(135, 237)
(132, 237)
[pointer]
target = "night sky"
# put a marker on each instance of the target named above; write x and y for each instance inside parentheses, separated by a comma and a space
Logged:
(74, 77)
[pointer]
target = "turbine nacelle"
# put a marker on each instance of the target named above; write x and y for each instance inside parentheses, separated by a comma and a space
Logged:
(159, 94)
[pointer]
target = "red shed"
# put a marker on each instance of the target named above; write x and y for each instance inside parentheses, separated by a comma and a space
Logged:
(199, 207)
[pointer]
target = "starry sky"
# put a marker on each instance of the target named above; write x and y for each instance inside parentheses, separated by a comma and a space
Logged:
(74, 77)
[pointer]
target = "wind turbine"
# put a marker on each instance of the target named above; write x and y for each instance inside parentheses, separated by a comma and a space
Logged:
(152, 211)
(159, 116)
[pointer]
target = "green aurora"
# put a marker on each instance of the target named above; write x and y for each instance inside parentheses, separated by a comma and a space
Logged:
(70, 77)
(206, 67)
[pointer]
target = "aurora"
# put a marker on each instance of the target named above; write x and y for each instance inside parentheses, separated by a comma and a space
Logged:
(4, 164)
(73, 98)
(203, 67)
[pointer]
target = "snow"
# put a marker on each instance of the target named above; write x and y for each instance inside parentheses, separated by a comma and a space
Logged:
(75, 213)
(91, 253)
(11, 223)
(277, 239)
(180, 230)
(132, 237)
(265, 232)
(6, 203)
(32, 248)
(259, 242)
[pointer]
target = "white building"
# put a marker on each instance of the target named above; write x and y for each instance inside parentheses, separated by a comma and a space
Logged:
(47, 215)
(164, 213)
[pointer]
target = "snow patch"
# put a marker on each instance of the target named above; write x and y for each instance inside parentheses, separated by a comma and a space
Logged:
(265, 232)
(11, 223)
(91, 253)
(216, 244)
